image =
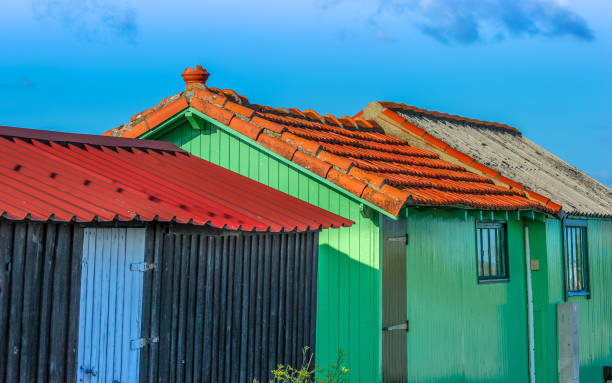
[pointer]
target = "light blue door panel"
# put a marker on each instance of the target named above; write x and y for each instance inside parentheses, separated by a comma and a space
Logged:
(111, 305)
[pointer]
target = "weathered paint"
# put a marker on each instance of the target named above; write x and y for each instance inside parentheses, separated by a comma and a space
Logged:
(595, 320)
(110, 305)
(348, 302)
(227, 306)
(40, 275)
(460, 330)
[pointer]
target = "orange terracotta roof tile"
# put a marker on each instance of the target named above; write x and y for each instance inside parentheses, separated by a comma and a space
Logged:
(353, 153)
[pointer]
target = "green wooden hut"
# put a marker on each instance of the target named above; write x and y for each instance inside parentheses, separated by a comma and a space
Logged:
(430, 284)
(572, 253)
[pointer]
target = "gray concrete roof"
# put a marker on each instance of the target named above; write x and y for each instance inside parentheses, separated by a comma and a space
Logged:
(520, 159)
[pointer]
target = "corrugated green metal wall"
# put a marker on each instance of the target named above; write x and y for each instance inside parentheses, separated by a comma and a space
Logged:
(348, 304)
(462, 331)
(595, 314)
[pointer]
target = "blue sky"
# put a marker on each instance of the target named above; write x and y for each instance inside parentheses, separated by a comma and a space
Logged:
(544, 66)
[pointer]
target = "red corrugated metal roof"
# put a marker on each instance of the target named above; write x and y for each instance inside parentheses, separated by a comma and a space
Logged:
(84, 178)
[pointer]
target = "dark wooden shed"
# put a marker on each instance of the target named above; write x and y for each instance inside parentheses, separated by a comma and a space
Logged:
(132, 261)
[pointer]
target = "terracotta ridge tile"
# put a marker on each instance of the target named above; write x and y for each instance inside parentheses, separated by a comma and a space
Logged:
(485, 169)
(311, 163)
(165, 112)
(232, 93)
(369, 177)
(553, 206)
(297, 111)
(239, 109)
(347, 182)
(277, 146)
(395, 192)
(340, 162)
(208, 95)
(538, 197)
(349, 122)
(510, 182)
(301, 143)
(245, 127)
(382, 200)
(224, 116)
(267, 124)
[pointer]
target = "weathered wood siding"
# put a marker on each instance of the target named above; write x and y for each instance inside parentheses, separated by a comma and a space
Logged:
(40, 275)
(227, 308)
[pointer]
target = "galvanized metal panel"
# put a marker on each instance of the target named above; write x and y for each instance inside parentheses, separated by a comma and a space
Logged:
(569, 346)
(100, 182)
(394, 311)
(110, 305)
(348, 307)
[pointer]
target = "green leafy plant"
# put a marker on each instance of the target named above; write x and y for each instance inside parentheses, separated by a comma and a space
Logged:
(336, 373)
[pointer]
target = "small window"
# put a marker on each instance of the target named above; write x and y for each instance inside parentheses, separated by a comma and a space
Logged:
(491, 251)
(576, 257)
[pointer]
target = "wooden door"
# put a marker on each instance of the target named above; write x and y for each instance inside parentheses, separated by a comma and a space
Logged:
(394, 321)
(111, 305)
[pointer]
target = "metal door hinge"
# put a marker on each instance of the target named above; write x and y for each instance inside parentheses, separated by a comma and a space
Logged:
(402, 326)
(135, 344)
(399, 238)
(143, 266)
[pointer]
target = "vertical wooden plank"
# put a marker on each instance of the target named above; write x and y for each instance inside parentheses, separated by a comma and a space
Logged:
(225, 308)
(200, 305)
(59, 324)
(31, 300)
(274, 301)
(216, 310)
(45, 302)
(147, 282)
(207, 353)
(253, 304)
(176, 278)
(135, 243)
(282, 297)
(114, 293)
(308, 282)
(266, 317)
(165, 312)
(246, 294)
(156, 293)
(301, 296)
(6, 251)
(290, 303)
(181, 318)
(123, 284)
(259, 307)
(103, 298)
(191, 308)
(72, 315)
(16, 303)
(237, 291)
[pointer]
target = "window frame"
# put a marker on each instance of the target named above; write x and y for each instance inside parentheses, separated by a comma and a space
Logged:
(492, 224)
(584, 264)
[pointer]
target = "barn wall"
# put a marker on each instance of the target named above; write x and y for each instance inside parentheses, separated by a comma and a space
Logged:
(227, 308)
(348, 304)
(40, 275)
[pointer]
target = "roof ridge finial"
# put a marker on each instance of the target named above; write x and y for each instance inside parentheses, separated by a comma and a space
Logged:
(197, 75)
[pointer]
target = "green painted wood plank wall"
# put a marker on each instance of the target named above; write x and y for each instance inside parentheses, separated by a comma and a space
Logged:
(460, 330)
(348, 284)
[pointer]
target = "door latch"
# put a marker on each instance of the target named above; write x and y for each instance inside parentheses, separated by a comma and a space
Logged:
(91, 371)
(401, 326)
(399, 238)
